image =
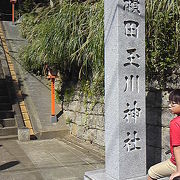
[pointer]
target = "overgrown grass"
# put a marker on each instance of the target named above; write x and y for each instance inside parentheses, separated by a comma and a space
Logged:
(162, 39)
(26, 6)
(69, 36)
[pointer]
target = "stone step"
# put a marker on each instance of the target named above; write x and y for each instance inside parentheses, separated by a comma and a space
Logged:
(8, 122)
(10, 137)
(3, 83)
(4, 99)
(5, 106)
(3, 91)
(6, 131)
(6, 114)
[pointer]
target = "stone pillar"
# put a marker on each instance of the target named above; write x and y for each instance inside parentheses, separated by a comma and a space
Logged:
(125, 122)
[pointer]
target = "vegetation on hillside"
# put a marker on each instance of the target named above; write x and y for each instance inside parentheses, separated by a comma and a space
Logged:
(70, 37)
(162, 39)
(26, 6)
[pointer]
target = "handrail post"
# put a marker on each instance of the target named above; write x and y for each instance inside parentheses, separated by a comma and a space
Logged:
(13, 7)
(52, 75)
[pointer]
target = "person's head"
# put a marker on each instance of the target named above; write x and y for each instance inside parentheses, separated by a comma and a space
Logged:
(174, 101)
(176, 178)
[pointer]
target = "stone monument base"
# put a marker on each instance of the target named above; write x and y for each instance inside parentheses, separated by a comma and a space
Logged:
(101, 175)
(97, 175)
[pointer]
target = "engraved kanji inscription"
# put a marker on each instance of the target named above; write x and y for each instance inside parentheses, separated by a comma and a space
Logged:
(131, 28)
(132, 113)
(130, 144)
(132, 83)
(132, 6)
(132, 58)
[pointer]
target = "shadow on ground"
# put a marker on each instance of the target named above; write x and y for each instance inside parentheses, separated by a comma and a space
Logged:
(153, 127)
(8, 165)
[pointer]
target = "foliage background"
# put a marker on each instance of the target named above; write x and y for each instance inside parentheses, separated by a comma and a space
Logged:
(70, 37)
(26, 6)
(162, 40)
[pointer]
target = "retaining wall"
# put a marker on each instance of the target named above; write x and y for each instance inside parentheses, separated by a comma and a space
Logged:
(86, 121)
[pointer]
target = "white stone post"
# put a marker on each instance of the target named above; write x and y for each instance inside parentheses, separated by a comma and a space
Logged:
(125, 121)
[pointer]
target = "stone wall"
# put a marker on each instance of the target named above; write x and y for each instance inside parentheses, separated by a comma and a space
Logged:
(86, 121)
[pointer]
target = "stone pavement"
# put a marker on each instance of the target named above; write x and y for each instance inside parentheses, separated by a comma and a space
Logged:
(37, 95)
(53, 159)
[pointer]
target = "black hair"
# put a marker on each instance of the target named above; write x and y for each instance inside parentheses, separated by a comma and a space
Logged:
(174, 96)
(176, 178)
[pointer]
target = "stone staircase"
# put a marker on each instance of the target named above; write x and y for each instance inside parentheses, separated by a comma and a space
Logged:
(8, 126)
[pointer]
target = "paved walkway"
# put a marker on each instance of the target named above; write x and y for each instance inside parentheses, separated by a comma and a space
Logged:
(46, 160)
(37, 95)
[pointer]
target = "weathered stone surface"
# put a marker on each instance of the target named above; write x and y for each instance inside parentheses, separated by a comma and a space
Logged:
(100, 138)
(85, 119)
(79, 119)
(165, 99)
(100, 123)
(70, 116)
(74, 106)
(166, 117)
(80, 131)
(165, 139)
(165, 144)
(74, 129)
(91, 121)
(90, 135)
(97, 109)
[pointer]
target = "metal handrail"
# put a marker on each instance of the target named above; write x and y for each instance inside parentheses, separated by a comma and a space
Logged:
(5, 14)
